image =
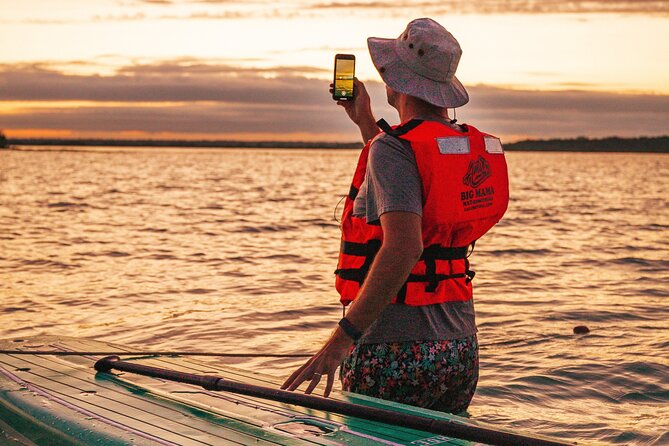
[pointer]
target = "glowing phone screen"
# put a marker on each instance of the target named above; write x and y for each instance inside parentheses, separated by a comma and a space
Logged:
(343, 84)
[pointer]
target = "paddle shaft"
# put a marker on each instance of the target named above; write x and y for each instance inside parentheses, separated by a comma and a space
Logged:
(440, 427)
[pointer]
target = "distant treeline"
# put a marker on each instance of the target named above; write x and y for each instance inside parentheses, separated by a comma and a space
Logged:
(180, 143)
(613, 144)
(581, 144)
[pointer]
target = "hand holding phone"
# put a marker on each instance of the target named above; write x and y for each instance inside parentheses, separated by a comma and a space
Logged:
(360, 110)
(344, 72)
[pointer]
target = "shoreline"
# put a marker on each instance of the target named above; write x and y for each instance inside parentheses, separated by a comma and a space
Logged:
(581, 144)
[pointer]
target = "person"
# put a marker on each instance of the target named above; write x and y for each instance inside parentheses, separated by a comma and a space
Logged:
(423, 192)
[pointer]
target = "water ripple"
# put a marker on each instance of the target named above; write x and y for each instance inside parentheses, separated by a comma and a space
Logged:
(233, 250)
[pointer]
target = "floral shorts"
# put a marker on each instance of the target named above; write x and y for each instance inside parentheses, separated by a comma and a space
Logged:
(438, 375)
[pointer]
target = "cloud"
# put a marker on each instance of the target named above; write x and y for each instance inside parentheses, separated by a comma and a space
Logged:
(176, 2)
(155, 10)
(202, 15)
(547, 114)
(173, 81)
(203, 97)
(508, 6)
(458, 6)
(184, 119)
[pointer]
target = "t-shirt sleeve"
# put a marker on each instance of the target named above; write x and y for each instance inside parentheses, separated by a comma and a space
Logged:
(392, 179)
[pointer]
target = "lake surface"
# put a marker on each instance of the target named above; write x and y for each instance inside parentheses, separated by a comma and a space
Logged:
(234, 251)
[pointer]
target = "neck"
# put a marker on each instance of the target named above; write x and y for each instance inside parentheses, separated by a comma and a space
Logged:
(410, 108)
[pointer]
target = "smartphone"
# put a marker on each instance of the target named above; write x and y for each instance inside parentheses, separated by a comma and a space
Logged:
(344, 71)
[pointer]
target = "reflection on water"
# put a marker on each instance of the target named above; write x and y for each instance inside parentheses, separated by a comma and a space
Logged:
(232, 250)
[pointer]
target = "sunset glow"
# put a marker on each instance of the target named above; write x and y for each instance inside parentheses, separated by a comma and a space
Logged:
(260, 70)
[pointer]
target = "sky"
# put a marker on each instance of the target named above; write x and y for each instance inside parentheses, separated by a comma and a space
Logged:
(260, 69)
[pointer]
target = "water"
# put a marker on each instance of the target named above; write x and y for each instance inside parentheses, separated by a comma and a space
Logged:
(233, 250)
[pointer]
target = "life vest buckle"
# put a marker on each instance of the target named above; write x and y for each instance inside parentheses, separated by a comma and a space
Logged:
(470, 275)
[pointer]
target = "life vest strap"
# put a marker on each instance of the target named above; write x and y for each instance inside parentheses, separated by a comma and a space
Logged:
(434, 277)
(352, 192)
(367, 250)
(430, 255)
(353, 274)
(438, 252)
(400, 129)
(361, 249)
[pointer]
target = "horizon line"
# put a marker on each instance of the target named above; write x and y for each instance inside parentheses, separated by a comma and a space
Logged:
(657, 144)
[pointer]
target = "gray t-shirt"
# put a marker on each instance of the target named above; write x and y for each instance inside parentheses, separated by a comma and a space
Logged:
(392, 183)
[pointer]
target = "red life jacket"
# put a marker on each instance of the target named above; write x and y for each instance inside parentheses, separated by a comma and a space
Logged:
(465, 190)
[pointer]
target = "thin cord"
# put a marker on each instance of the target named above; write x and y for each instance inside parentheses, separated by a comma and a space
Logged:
(152, 353)
(336, 208)
(532, 340)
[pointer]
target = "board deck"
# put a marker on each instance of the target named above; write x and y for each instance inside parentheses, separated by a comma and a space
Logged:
(61, 400)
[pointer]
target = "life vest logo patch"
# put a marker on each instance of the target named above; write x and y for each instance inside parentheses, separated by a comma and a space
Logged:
(477, 172)
(453, 145)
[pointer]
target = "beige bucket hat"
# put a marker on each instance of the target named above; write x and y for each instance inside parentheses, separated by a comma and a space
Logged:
(421, 62)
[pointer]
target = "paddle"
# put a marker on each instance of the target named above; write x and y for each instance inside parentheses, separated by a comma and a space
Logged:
(440, 427)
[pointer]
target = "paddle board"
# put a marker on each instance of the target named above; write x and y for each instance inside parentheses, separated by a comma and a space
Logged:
(61, 400)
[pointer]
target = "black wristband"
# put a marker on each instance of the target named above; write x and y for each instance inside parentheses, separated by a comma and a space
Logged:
(350, 329)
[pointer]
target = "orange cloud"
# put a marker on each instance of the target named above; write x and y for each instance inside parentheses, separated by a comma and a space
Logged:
(197, 100)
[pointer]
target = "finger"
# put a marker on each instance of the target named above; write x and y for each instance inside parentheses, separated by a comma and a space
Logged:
(293, 383)
(296, 373)
(291, 378)
(359, 87)
(329, 384)
(302, 377)
(314, 382)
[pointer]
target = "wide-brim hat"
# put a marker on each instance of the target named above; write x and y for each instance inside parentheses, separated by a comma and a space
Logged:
(421, 62)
